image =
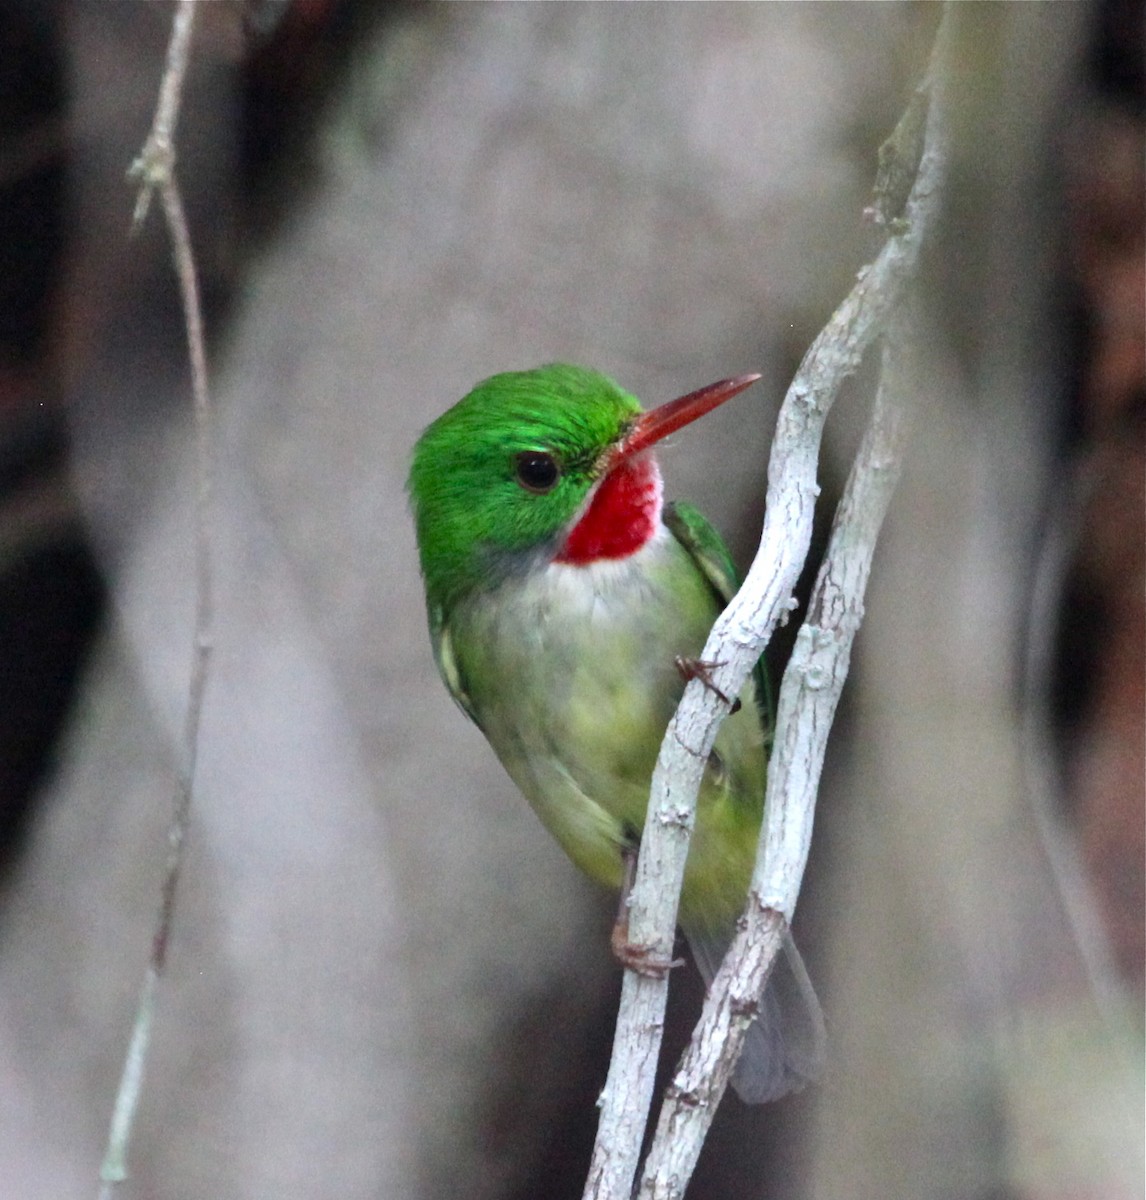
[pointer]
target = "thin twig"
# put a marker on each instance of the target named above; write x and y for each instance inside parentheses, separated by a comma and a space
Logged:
(156, 162)
(1074, 890)
(156, 169)
(735, 645)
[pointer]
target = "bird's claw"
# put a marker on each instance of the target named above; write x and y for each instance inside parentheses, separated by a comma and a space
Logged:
(641, 959)
(644, 960)
(697, 668)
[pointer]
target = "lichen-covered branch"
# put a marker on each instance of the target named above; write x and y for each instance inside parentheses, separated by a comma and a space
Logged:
(809, 695)
(808, 699)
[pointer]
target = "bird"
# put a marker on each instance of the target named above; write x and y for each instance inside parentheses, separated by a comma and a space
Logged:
(567, 605)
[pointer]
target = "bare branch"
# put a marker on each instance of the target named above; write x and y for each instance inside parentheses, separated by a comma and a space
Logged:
(809, 695)
(155, 165)
(156, 168)
(811, 689)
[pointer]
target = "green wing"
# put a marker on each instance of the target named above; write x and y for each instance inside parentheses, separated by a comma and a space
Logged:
(443, 646)
(710, 554)
(705, 545)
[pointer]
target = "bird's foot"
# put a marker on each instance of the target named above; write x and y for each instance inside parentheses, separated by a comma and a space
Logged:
(641, 959)
(631, 955)
(697, 668)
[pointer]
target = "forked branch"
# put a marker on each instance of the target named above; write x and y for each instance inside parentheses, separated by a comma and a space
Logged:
(810, 692)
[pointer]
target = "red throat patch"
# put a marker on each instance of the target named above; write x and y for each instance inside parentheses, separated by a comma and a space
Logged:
(622, 516)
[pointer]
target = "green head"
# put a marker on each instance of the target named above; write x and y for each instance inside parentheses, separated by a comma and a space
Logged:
(497, 477)
(497, 480)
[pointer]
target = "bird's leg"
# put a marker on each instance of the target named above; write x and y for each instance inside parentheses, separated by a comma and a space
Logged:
(637, 958)
(697, 668)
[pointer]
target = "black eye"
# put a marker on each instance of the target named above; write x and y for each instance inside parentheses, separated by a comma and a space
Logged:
(536, 470)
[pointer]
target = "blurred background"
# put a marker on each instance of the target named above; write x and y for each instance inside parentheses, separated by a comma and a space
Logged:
(385, 979)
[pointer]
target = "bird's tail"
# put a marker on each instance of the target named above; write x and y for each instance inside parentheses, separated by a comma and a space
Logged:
(786, 1044)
